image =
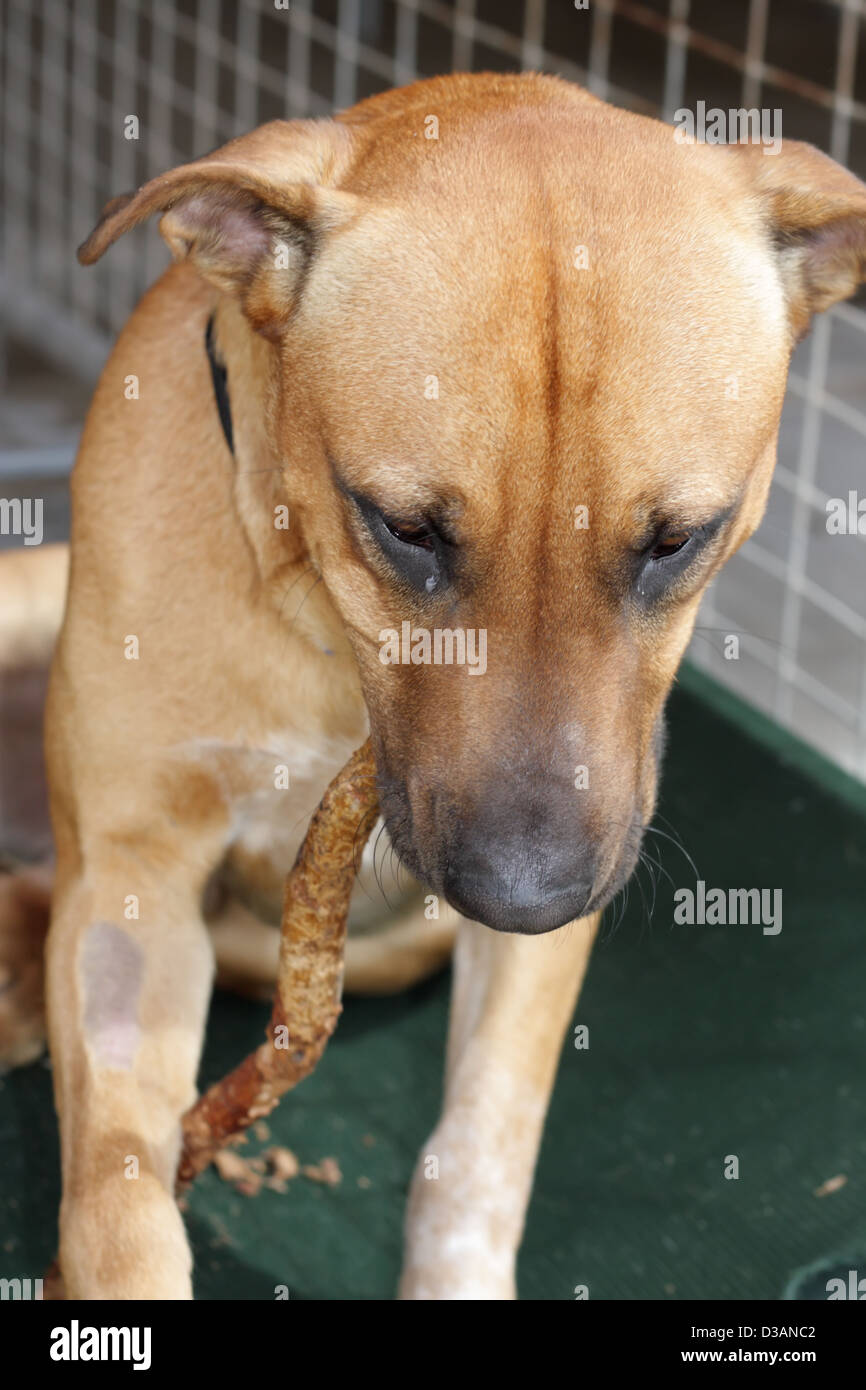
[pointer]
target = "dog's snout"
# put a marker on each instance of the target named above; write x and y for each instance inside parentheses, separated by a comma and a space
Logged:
(518, 884)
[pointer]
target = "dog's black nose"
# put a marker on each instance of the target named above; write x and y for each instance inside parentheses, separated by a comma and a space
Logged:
(512, 887)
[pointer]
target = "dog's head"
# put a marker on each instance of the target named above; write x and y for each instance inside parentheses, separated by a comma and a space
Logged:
(530, 354)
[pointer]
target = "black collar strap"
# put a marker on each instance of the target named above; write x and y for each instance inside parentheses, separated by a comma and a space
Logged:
(219, 377)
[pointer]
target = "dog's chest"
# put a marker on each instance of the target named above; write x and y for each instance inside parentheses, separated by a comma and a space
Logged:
(272, 784)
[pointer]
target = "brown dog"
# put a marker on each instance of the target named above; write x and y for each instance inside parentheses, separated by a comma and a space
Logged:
(481, 385)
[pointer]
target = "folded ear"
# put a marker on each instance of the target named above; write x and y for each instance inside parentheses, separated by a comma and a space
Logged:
(817, 215)
(249, 215)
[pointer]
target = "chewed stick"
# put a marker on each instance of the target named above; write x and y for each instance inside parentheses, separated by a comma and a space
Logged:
(310, 972)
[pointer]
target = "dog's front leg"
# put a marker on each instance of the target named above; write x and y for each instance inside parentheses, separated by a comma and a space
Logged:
(513, 997)
(127, 999)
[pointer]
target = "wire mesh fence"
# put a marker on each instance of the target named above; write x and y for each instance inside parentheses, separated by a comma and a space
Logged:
(99, 95)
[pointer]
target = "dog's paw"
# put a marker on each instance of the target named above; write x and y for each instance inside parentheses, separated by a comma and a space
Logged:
(122, 1240)
(444, 1281)
(25, 911)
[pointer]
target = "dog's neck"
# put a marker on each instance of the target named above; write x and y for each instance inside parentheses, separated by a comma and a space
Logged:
(251, 368)
(280, 554)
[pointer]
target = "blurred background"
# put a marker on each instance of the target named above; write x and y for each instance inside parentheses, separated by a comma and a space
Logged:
(197, 72)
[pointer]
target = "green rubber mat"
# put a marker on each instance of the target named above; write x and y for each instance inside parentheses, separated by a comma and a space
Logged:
(707, 1044)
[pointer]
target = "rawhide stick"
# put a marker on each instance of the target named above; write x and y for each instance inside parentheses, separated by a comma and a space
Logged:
(310, 973)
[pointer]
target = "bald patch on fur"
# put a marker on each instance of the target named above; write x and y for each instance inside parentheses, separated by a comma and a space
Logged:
(112, 969)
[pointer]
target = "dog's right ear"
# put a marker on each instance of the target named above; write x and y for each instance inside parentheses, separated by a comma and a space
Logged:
(249, 215)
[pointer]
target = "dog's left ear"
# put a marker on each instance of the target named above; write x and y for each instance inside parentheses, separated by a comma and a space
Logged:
(816, 212)
(249, 216)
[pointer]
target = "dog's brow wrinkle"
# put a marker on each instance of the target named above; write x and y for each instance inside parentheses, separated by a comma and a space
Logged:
(112, 970)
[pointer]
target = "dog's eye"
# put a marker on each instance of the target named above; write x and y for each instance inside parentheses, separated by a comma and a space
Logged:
(664, 561)
(416, 550)
(422, 536)
(669, 545)
(668, 564)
